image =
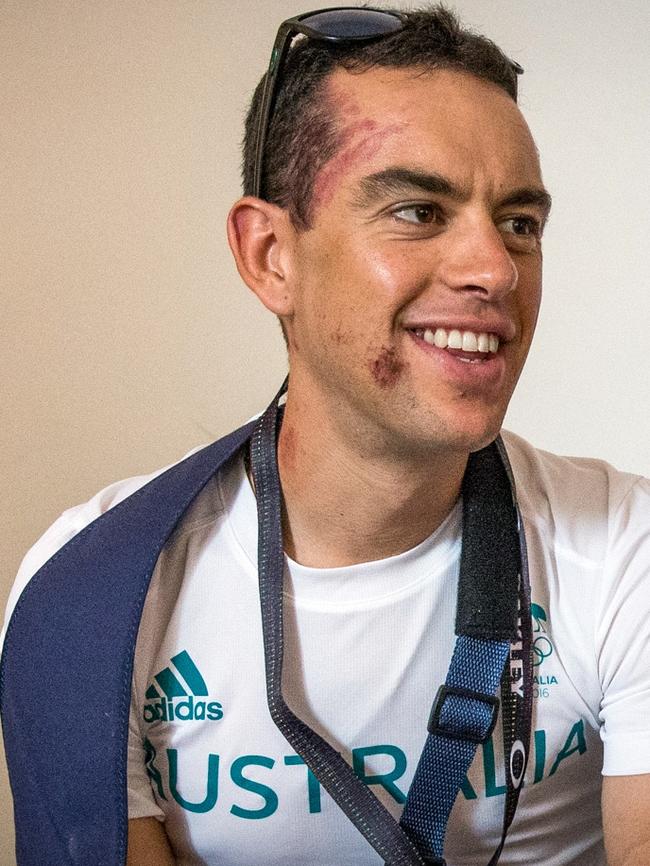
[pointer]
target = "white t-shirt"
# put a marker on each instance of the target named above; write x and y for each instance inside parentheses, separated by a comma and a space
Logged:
(366, 648)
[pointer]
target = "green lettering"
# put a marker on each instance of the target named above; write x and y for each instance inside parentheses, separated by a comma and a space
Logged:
(184, 709)
(491, 787)
(212, 784)
(313, 785)
(468, 792)
(152, 771)
(540, 755)
(149, 713)
(576, 733)
(267, 794)
(386, 780)
(215, 711)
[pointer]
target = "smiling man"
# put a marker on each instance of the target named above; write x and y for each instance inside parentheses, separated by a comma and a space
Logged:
(409, 303)
(393, 222)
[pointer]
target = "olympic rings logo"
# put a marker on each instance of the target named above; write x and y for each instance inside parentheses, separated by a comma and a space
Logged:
(542, 649)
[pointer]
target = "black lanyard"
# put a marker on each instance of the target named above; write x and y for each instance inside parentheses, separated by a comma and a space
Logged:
(371, 818)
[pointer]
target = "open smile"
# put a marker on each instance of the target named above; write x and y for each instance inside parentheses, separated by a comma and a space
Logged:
(470, 342)
(468, 359)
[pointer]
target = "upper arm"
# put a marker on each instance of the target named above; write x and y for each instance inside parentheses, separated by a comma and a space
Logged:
(626, 819)
(148, 844)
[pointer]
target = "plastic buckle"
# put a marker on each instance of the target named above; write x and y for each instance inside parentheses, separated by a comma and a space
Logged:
(457, 729)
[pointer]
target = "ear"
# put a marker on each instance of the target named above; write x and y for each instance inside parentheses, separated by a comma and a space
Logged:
(260, 235)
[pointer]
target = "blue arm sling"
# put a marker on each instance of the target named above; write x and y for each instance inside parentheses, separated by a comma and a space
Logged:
(67, 665)
(66, 671)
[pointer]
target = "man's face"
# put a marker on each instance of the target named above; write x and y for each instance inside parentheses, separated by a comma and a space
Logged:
(424, 252)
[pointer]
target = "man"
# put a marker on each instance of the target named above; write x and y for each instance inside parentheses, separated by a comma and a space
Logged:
(394, 226)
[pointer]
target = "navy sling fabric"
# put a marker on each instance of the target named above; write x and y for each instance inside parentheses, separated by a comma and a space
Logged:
(337, 777)
(462, 717)
(65, 685)
(65, 675)
(465, 711)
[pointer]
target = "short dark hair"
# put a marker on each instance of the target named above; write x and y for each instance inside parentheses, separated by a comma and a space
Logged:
(304, 134)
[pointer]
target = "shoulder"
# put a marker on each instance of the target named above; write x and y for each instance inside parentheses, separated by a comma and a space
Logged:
(71, 522)
(579, 500)
(545, 478)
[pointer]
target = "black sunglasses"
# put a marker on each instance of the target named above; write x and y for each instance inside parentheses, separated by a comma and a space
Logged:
(335, 25)
(339, 24)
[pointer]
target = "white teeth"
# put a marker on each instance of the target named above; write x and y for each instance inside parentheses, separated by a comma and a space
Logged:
(468, 341)
(440, 338)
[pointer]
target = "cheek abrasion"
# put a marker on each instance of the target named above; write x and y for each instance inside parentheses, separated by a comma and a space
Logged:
(386, 368)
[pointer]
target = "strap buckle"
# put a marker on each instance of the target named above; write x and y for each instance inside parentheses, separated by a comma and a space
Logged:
(463, 714)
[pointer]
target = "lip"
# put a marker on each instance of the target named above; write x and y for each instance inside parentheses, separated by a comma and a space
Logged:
(478, 372)
(504, 329)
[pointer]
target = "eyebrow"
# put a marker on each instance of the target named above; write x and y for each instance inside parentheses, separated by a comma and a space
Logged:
(399, 179)
(529, 195)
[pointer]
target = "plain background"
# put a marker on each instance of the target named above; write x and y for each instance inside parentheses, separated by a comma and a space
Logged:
(127, 336)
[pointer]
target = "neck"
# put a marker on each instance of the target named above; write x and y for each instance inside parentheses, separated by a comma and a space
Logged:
(346, 503)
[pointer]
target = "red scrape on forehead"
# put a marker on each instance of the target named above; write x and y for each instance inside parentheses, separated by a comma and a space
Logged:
(386, 368)
(359, 140)
(343, 102)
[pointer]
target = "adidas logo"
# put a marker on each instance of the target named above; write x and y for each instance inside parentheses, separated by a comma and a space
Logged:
(175, 697)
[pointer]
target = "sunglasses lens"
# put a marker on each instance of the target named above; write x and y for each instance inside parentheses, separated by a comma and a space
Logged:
(352, 23)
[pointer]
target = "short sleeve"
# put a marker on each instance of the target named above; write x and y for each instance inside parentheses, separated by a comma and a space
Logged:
(623, 637)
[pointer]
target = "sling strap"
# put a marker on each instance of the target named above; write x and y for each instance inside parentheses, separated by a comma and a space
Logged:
(66, 669)
(492, 588)
(356, 800)
(491, 593)
(67, 665)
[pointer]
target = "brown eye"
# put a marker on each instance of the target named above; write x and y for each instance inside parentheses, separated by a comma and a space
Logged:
(522, 226)
(421, 214)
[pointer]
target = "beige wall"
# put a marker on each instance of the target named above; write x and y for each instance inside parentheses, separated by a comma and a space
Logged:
(127, 337)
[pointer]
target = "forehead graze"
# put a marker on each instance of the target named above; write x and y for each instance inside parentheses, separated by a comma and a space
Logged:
(359, 139)
(439, 112)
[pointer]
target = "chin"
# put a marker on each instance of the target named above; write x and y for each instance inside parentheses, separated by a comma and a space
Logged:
(471, 434)
(440, 437)
(451, 420)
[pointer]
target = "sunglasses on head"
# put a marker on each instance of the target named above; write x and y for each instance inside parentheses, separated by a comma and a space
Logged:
(336, 25)
(339, 24)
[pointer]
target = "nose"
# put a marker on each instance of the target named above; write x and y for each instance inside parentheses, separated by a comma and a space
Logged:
(477, 261)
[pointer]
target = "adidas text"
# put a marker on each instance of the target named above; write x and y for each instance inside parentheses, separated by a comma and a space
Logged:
(184, 710)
